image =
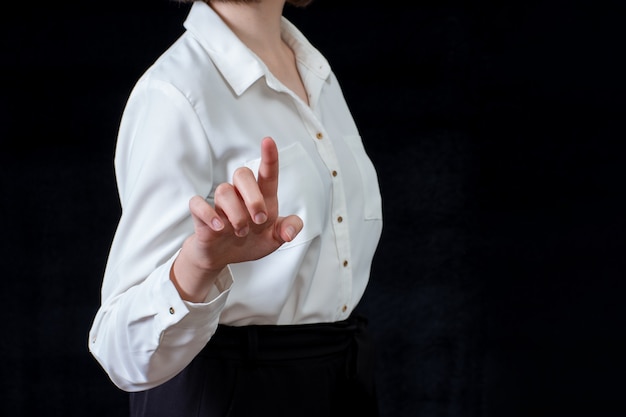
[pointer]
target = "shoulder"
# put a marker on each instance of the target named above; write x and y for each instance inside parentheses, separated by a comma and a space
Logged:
(184, 66)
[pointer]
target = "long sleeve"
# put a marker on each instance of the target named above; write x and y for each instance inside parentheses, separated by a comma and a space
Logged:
(144, 333)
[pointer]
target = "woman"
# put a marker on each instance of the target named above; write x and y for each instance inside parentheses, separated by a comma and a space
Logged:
(250, 217)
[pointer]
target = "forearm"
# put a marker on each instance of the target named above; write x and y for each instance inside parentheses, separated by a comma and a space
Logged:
(147, 334)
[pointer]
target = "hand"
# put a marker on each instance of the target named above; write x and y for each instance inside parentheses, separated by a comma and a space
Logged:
(242, 226)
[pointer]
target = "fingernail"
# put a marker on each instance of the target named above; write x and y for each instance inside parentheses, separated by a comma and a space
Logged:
(260, 218)
(217, 224)
(291, 232)
(242, 232)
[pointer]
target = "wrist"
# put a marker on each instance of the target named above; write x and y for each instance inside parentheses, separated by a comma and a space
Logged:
(193, 280)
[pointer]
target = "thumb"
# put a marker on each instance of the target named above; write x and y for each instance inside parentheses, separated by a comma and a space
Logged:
(287, 228)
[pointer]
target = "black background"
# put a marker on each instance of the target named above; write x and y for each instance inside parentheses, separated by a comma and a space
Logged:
(497, 131)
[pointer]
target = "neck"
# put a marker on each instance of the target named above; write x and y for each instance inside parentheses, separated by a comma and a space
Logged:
(257, 24)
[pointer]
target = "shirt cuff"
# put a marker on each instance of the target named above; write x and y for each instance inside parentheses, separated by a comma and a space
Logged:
(173, 310)
(214, 302)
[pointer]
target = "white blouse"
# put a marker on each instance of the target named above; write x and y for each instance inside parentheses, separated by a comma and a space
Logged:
(198, 113)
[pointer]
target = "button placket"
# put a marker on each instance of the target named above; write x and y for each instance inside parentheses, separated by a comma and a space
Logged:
(326, 151)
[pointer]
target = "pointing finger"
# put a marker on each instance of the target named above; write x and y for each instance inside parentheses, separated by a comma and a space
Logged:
(268, 169)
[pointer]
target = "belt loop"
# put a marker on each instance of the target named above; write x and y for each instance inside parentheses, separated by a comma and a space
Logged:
(253, 346)
(352, 360)
(359, 363)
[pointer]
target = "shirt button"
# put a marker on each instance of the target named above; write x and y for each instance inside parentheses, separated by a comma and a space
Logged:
(345, 263)
(172, 310)
(334, 173)
(339, 219)
(319, 135)
(344, 308)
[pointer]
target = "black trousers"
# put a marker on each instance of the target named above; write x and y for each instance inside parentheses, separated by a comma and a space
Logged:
(311, 370)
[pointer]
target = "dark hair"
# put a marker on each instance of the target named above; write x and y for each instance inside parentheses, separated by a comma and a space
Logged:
(297, 3)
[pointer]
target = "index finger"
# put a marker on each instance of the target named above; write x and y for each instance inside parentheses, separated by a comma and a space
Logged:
(268, 169)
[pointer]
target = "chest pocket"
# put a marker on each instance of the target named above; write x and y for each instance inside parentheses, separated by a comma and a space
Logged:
(372, 207)
(300, 191)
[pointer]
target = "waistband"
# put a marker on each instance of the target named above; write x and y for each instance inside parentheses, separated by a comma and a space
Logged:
(285, 342)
